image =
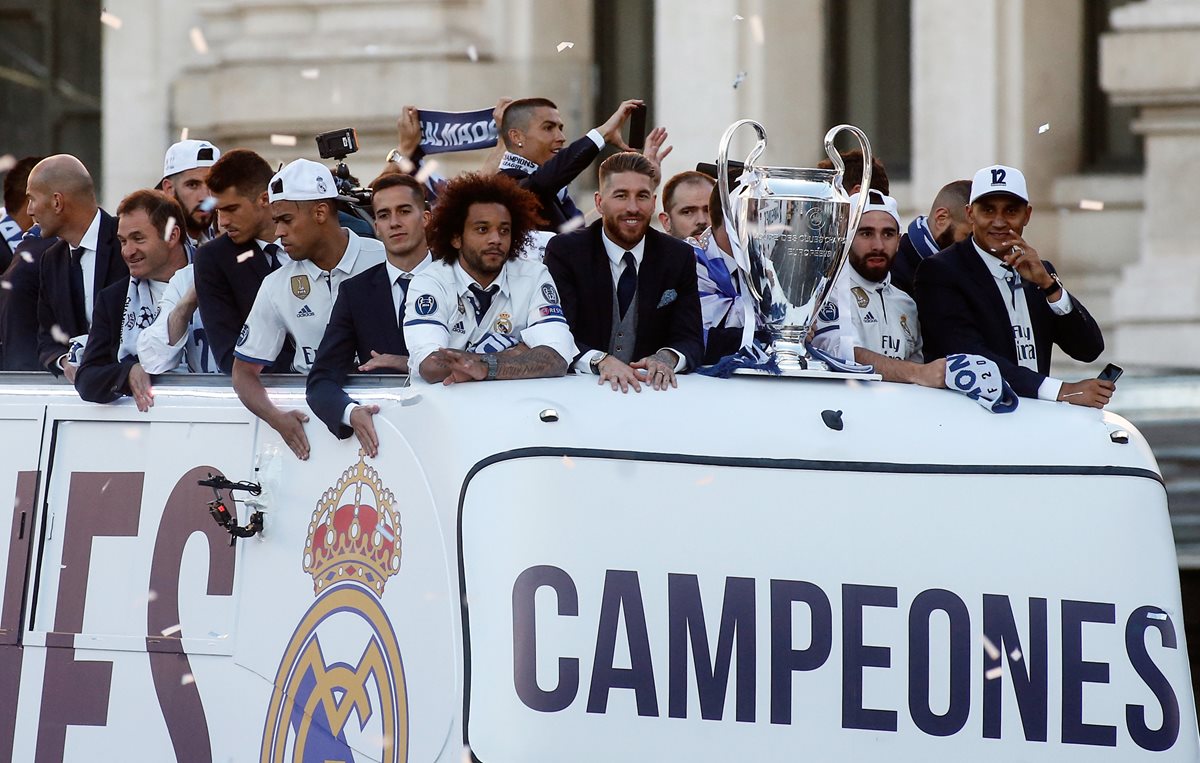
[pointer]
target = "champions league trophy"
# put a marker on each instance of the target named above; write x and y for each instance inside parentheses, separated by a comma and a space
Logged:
(795, 227)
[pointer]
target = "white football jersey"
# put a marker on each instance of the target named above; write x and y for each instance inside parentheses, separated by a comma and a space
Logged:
(296, 301)
(873, 315)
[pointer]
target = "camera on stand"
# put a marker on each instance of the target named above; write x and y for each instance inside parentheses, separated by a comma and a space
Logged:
(353, 199)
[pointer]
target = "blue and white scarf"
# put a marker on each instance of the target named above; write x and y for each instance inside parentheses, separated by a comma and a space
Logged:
(921, 237)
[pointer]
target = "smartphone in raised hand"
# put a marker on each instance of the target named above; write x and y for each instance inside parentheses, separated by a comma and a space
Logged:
(637, 128)
(1111, 373)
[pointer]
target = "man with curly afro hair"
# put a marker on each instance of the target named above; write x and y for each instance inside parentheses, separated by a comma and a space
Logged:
(480, 312)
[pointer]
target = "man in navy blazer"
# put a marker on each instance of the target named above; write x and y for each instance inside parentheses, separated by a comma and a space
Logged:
(62, 199)
(230, 268)
(368, 317)
(538, 158)
(993, 295)
(628, 292)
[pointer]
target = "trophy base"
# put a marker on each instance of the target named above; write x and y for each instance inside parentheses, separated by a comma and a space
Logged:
(808, 373)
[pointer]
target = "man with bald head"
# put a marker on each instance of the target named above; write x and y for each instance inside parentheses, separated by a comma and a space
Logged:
(944, 226)
(62, 200)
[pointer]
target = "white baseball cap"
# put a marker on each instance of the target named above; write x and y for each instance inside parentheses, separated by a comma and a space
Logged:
(999, 179)
(878, 202)
(188, 155)
(302, 180)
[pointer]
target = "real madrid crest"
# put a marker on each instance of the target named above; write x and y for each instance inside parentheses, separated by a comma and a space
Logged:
(301, 287)
(503, 324)
(904, 326)
(340, 691)
(860, 296)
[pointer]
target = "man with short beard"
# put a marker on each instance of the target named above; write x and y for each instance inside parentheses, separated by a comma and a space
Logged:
(945, 225)
(629, 292)
(866, 319)
(185, 172)
(480, 312)
(685, 204)
(152, 247)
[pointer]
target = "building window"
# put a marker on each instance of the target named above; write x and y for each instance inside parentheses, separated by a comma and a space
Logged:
(1109, 142)
(624, 45)
(869, 75)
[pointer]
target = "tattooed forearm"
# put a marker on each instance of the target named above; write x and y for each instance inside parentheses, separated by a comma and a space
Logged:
(522, 362)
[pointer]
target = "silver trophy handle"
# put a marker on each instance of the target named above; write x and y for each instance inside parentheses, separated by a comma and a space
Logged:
(864, 188)
(723, 168)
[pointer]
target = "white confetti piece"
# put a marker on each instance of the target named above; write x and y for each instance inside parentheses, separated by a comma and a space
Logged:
(994, 673)
(186, 679)
(7, 162)
(756, 29)
(209, 204)
(336, 95)
(58, 335)
(472, 53)
(736, 17)
(567, 462)
(245, 256)
(992, 652)
(705, 480)
(27, 257)
(1091, 205)
(198, 42)
(1015, 655)
(104, 487)
(183, 134)
(427, 169)
(110, 20)
(172, 630)
(6, 285)
(739, 79)
(574, 223)
(1157, 615)
(564, 45)
(1044, 128)
(169, 229)
(282, 140)
(467, 756)
(404, 163)
(310, 73)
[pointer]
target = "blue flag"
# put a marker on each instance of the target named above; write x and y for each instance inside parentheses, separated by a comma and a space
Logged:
(443, 131)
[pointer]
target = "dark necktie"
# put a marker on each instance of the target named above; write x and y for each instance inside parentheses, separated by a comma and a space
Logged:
(403, 281)
(1013, 279)
(626, 284)
(272, 252)
(77, 288)
(483, 300)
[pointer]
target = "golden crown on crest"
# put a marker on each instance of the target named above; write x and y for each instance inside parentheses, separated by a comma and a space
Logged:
(354, 534)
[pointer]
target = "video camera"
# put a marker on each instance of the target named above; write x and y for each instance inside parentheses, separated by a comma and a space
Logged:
(353, 199)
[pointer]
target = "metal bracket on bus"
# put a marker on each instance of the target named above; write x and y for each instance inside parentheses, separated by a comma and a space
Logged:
(222, 516)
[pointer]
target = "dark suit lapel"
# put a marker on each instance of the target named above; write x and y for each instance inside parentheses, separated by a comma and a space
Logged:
(650, 280)
(259, 262)
(381, 298)
(985, 287)
(107, 248)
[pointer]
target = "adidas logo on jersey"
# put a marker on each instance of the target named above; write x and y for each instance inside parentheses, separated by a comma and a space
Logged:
(868, 318)
(305, 312)
(458, 328)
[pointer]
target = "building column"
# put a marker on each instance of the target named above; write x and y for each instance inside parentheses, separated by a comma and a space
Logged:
(1150, 60)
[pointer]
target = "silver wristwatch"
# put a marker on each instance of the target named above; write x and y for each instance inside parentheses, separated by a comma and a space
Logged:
(493, 366)
(594, 363)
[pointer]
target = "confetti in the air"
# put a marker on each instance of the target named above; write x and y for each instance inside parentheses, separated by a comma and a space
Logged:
(172, 630)
(1091, 205)
(591, 216)
(736, 17)
(994, 673)
(992, 652)
(310, 73)
(169, 229)
(1015, 655)
(110, 20)
(472, 53)
(209, 204)
(404, 163)
(1044, 128)
(6, 285)
(183, 134)
(245, 256)
(467, 756)
(574, 223)
(756, 29)
(198, 42)
(564, 45)
(187, 678)
(567, 462)
(427, 169)
(27, 257)
(705, 480)
(1157, 615)
(58, 335)
(7, 162)
(283, 140)
(739, 79)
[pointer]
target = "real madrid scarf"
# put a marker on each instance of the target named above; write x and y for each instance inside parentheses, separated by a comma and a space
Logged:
(511, 161)
(921, 237)
(141, 308)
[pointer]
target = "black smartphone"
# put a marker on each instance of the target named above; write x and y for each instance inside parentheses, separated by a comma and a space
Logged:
(637, 128)
(1111, 373)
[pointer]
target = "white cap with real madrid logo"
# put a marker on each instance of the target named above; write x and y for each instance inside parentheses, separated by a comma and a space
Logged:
(999, 179)
(188, 155)
(302, 180)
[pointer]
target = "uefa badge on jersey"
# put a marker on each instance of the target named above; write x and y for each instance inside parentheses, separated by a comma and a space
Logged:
(301, 287)
(503, 323)
(549, 293)
(425, 304)
(829, 311)
(860, 296)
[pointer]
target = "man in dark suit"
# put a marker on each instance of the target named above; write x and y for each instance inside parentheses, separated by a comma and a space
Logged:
(152, 245)
(368, 317)
(19, 303)
(628, 291)
(945, 225)
(62, 199)
(230, 268)
(538, 158)
(993, 295)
